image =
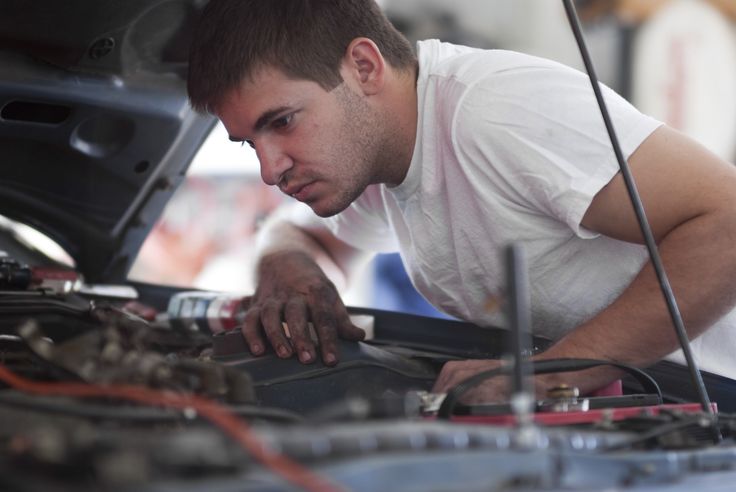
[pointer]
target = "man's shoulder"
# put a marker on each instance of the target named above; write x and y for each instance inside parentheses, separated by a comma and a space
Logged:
(440, 60)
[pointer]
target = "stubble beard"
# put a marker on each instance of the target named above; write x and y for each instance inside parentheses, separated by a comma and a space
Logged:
(357, 158)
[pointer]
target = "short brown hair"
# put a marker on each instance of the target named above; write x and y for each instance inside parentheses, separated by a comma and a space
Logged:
(306, 39)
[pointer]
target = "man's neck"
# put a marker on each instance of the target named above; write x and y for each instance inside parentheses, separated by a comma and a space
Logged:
(403, 109)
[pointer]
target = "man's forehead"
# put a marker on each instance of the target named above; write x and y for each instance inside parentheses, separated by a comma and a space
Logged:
(268, 89)
(260, 90)
(251, 100)
(252, 104)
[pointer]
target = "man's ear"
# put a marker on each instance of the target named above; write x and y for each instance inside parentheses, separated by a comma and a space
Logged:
(365, 65)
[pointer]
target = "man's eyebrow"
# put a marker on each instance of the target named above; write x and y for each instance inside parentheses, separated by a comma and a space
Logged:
(264, 119)
(268, 116)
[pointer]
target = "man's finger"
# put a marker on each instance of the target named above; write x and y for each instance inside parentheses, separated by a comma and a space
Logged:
(349, 331)
(346, 329)
(295, 314)
(252, 330)
(447, 378)
(455, 372)
(271, 321)
(325, 325)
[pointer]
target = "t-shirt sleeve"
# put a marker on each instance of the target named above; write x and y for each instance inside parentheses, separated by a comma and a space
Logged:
(537, 136)
(362, 225)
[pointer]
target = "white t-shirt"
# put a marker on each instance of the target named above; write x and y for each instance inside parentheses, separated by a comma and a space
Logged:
(510, 148)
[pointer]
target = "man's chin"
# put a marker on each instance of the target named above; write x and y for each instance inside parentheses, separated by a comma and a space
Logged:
(328, 209)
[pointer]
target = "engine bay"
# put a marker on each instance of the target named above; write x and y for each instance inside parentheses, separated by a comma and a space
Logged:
(98, 398)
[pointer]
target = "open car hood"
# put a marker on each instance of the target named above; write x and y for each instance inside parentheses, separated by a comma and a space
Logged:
(96, 131)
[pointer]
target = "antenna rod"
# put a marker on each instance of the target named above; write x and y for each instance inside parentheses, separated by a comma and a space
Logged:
(664, 283)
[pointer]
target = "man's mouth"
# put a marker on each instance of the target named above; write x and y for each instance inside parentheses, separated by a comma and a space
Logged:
(299, 192)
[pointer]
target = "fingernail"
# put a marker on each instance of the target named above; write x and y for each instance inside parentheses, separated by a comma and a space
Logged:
(305, 356)
(256, 349)
(330, 359)
(283, 351)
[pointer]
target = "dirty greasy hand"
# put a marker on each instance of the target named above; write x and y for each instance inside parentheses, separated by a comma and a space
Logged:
(293, 289)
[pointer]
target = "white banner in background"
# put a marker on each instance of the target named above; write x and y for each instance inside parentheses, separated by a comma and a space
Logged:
(684, 73)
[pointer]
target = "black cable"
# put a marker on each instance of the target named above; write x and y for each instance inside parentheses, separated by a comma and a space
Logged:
(664, 283)
(542, 367)
(319, 372)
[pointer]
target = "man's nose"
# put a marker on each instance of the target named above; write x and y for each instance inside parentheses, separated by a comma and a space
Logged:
(274, 162)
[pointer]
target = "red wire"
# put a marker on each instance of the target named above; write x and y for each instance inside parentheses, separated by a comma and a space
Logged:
(210, 410)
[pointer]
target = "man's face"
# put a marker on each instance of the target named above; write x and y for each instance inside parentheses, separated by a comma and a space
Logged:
(320, 147)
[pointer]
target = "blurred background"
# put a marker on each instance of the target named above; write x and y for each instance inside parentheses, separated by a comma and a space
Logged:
(673, 59)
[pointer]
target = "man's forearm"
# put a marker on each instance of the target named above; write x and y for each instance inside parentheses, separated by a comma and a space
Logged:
(278, 238)
(636, 329)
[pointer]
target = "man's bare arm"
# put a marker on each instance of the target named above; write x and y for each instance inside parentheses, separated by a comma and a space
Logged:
(689, 196)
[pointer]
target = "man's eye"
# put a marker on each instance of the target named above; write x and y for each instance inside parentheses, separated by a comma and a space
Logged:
(282, 122)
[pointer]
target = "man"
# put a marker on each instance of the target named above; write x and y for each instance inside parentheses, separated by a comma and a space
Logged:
(446, 157)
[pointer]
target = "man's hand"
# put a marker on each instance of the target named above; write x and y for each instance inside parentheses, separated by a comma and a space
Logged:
(455, 372)
(293, 289)
(496, 389)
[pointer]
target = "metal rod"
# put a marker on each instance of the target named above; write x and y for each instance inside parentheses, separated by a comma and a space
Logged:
(517, 282)
(664, 283)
